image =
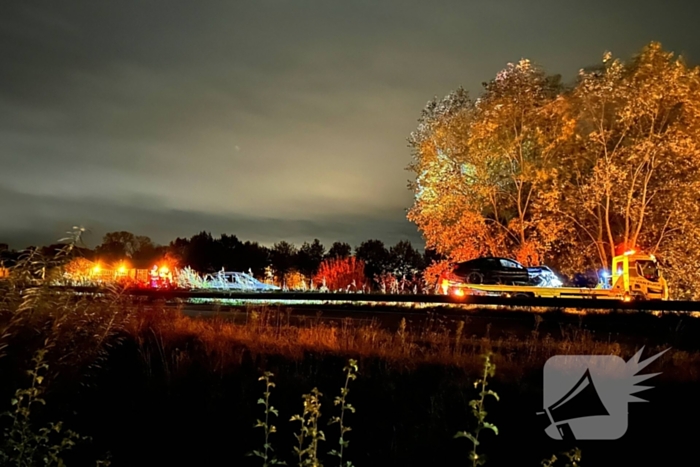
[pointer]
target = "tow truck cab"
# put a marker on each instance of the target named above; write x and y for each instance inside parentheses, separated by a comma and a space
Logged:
(638, 275)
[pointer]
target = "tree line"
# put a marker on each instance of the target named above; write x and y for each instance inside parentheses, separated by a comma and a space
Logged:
(205, 253)
(567, 175)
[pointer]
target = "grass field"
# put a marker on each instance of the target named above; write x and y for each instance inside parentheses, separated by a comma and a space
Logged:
(154, 387)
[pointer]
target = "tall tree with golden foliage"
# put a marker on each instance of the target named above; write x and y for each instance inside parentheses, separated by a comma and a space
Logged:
(574, 176)
(634, 173)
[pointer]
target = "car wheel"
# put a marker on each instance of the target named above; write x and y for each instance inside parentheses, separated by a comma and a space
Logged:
(475, 278)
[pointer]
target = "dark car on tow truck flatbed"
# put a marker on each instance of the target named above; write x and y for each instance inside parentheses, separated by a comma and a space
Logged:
(489, 270)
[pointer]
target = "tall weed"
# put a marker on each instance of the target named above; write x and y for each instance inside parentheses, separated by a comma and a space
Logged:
(350, 374)
(480, 413)
(309, 435)
(267, 453)
(27, 446)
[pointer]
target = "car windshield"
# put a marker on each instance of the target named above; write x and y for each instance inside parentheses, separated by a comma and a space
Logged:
(648, 269)
(510, 264)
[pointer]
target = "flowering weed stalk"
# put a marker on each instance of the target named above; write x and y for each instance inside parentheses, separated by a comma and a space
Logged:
(308, 456)
(351, 373)
(477, 406)
(266, 454)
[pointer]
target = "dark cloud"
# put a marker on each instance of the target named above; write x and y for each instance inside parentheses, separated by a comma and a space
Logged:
(161, 114)
(40, 220)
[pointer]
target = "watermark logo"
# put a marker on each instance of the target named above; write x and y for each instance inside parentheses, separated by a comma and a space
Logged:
(586, 396)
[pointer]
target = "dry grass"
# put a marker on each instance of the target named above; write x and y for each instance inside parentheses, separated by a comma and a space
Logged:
(271, 332)
(84, 333)
(82, 330)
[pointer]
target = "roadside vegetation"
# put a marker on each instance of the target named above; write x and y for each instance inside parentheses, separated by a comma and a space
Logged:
(91, 380)
(433, 340)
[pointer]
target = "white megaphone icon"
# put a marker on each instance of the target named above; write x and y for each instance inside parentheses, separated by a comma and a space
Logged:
(581, 401)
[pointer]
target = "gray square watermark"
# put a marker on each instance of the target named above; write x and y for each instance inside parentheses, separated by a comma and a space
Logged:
(586, 396)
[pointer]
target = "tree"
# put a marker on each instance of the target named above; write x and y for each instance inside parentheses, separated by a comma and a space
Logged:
(484, 169)
(449, 223)
(339, 250)
(341, 273)
(404, 260)
(516, 139)
(309, 257)
(147, 252)
(167, 258)
(375, 257)
(574, 176)
(635, 171)
(430, 256)
(229, 247)
(254, 257)
(203, 253)
(282, 258)
(118, 246)
(79, 269)
(178, 249)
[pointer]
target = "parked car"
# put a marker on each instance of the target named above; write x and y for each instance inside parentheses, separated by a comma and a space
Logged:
(490, 270)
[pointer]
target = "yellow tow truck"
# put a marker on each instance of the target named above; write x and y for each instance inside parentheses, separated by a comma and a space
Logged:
(635, 276)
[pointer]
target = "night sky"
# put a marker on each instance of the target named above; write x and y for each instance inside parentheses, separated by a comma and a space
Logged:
(271, 120)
